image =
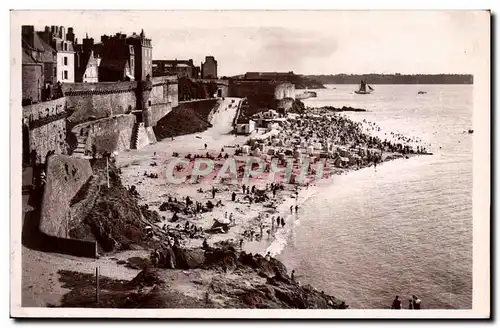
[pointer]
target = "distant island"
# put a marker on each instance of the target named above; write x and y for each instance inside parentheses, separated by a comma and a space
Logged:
(393, 78)
(300, 81)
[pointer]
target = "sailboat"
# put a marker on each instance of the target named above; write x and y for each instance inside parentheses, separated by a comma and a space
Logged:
(362, 89)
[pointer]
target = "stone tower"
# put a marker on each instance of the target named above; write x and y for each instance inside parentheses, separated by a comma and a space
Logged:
(143, 100)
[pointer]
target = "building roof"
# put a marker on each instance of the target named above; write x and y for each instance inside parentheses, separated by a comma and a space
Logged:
(59, 46)
(114, 64)
(45, 51)
(27, 58)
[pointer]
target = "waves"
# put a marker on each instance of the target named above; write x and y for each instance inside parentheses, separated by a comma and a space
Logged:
(402, 229)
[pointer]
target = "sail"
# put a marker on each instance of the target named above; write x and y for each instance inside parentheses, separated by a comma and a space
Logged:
(369, 87)
(362, 87)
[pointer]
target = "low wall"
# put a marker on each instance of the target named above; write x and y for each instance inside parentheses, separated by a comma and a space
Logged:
(65, 176)
(203, 107)
(107, 134)
(99, 100)
(35, 112)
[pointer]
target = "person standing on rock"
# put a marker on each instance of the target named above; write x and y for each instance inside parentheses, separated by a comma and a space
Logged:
(268, 256)
(293, 275)
(241, 244)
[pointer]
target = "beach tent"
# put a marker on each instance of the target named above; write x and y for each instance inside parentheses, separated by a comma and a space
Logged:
(310, 150)
(271, 151)
(245, 149)
(256, 152)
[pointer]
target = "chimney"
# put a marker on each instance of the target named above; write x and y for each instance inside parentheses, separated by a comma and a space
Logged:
(47, 29)
(88, 44)
(62, 33)
(70, 36)
(28, 34)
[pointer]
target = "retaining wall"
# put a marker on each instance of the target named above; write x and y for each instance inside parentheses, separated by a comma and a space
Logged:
(99, 100)
(107, 134)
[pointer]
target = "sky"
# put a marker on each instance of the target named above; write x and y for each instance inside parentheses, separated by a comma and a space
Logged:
(306, 42)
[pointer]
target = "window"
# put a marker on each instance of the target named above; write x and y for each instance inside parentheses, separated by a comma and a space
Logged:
(65, 46)
(65, 61)
(65, 75)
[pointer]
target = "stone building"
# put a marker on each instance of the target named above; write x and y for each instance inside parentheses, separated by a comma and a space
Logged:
(143, 50)
(86, 63)
(209, 68)
(118, 59)
(65, 54)
(179, 68)
(124, 58)
(32, 78)
(38, 66)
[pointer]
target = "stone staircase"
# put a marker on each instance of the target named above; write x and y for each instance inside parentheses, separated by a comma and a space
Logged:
(135, 136)
(79, 151)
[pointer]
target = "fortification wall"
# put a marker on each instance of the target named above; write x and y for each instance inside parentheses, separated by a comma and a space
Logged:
(163, 97)
(99, 100)
(284, 90)
(223, 85)
(203, 107)
(47, 127)
(242, 89)
(108, 134)
(158, 111)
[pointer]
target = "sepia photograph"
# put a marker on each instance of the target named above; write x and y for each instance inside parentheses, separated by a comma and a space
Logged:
(194, 164)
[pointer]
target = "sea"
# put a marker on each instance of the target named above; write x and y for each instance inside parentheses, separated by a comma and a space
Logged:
(404, 228)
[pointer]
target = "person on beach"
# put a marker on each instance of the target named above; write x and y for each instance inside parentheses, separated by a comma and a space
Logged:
(205, 146)
(410, 304)
(274, 192)
(241, 243)
(272, 223)
(268, 256)
(233, 196)
(396, 303)
(416, 302)
(296, 208)
(244, 188)
(291, 208)
(213, 192)
(282, 222)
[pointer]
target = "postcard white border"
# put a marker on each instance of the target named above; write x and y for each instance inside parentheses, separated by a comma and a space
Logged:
(481, 217)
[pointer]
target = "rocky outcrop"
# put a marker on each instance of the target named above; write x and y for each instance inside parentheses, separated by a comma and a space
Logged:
(343, 109)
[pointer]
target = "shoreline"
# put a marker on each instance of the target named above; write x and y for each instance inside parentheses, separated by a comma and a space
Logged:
(248, 216)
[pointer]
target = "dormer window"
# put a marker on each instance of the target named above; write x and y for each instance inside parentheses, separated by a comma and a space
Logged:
(65, 46)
